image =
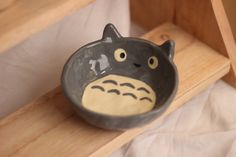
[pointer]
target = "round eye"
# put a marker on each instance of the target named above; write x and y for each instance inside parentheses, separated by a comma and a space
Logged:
(120, 55)
(153, 62)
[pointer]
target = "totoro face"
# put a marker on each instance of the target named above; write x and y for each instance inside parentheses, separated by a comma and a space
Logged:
(120, 76)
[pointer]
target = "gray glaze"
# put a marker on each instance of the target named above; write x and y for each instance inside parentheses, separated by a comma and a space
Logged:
(95, 60)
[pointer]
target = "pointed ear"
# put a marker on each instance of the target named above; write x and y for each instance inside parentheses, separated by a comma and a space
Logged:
(169, 47)
(111, 32)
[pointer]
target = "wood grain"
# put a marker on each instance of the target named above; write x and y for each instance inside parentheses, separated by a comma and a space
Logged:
(49, 127)
(5, 3)
(151, 13)
(204, 19)
(26, 17)
(207, 21)
(230, 10)
(228, 38)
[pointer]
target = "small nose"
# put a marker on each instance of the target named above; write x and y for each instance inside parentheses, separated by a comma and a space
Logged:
(137, 65)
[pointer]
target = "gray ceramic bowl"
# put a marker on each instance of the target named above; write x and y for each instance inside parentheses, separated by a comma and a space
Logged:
(130, 58)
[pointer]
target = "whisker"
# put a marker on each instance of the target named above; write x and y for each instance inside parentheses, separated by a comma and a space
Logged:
(143, 89)
(98, 87)
(128, 85)
(110, 81)
(130, 94)
(114, 91)
(145, 98)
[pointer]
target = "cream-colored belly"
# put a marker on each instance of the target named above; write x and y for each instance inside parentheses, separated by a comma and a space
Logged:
(118, 95)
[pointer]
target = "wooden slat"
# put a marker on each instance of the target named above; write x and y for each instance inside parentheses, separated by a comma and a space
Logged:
(205, 19)
(5, 3)
(228, 38)
(229, 6)
(152, 13)
(49, 127)
(26, 17)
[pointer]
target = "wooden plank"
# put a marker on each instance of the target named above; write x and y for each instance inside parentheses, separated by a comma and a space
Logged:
(26, 17)
(25, 125)
(229, 6)
(151, 13)
(228, 38)
(5, 3)
(208, 22)
(49, 127)
(205, 19)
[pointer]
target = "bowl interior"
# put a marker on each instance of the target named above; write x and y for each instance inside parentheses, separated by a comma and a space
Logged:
(97, 60)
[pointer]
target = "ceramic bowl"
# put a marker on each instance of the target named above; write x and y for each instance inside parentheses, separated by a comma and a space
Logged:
(113, 71)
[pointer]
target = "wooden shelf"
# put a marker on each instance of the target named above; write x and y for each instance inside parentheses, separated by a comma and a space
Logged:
(49, 127)
(206, 20)
(26, 17)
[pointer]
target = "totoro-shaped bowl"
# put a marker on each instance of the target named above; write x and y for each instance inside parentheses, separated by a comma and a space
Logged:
(118, 72)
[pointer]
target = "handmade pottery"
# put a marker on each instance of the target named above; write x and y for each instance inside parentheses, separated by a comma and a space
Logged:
(120, 82)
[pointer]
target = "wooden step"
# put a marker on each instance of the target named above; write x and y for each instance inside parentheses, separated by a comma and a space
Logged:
(49, 127)
(26, 17)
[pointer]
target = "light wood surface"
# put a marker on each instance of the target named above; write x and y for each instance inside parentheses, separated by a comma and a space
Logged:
(151, 13)
(26, 17)
(49, 127)
(208, 22)
(227, 36)
(5, 3)
(230, 10)
(204, 19)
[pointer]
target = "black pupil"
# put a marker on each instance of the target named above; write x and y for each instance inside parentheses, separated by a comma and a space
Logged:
(151, 61)
(122, 55)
